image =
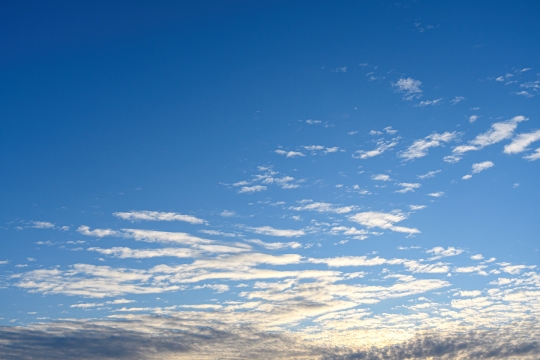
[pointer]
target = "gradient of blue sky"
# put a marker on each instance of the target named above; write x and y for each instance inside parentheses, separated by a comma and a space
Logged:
(246, 118)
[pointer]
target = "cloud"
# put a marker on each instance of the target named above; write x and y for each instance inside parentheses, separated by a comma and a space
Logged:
(409, 87)
(466, 177)
(440, 252)
(382, 220)
(457, 100)
(478, 167)
(533, 156)
(499, 131)
(381, 177)
(289, 154)
(436, 194)
(382, 146)
(251, 189)
(429, 174)
(428, 103)
(227, 213)
(126, 253)
(473, 118)
(157, 216)
(219, 288)
(417, 207)
(270, 231)
(477, 257)
(521, 142)
(322, 207)
(275, 245)
(313, 122)
(85, 230)
(407, 187)
(42, 225)
(420, 147)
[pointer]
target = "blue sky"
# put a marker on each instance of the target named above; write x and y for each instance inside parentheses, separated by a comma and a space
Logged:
(323, 175)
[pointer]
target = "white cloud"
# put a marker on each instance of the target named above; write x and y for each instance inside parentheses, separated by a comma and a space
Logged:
(157, 216)
(381, 147)
(314, 147)
(342, 69)
(420, 147)
(406, 187)
(219, 288)
(473, 118)
(382, 220)
(251, 189)
(428, 102)
(409, 87)
(457, 99)
(126, 253)
(270, 231)
(276, 245)
(42, 225)
(470, 293)
(312, 122)
(322, 207)
(417, 207)
(440, 252)
(289, 154)
(436, 194)
(477, 257)
(521, 142)
(429, 174)
(85, 230)
(466, 177)
(381, 177)
(499, 131)
(352, 132)
(533, 156)
(227, 213)
(389, 130)
(478, 167)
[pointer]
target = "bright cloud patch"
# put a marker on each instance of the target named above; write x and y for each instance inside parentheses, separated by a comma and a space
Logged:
(382, 220)
(157, 216)
(409, 87)
(420, 148)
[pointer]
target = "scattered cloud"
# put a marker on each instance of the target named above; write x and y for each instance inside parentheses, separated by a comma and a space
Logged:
(382, 220)
(251, 189)
(429, 174)
(382, 146)
(420, 147)
(429, 102)
(381, 177)
(409, 87)
(407, 187)
(436, 194)
(457, 100)
(478, 167)
(521, 142)
(275, 245)
(473, 118)
(270, 231)
(157, 216)
(322, 207)
(499, 131)
(289, 154)
(534, 156)
(42, 225)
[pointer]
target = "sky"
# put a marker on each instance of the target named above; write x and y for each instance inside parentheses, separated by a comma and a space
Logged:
(270, 179)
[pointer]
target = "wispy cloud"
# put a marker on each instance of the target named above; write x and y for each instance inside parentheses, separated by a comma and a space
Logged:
(383, 220)
(157, 216)
(409, 87)
(499, 131)
(521, 142)
(289, 154)
(270, 231)
(419, 148)
(382, 146)
(429, 102)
